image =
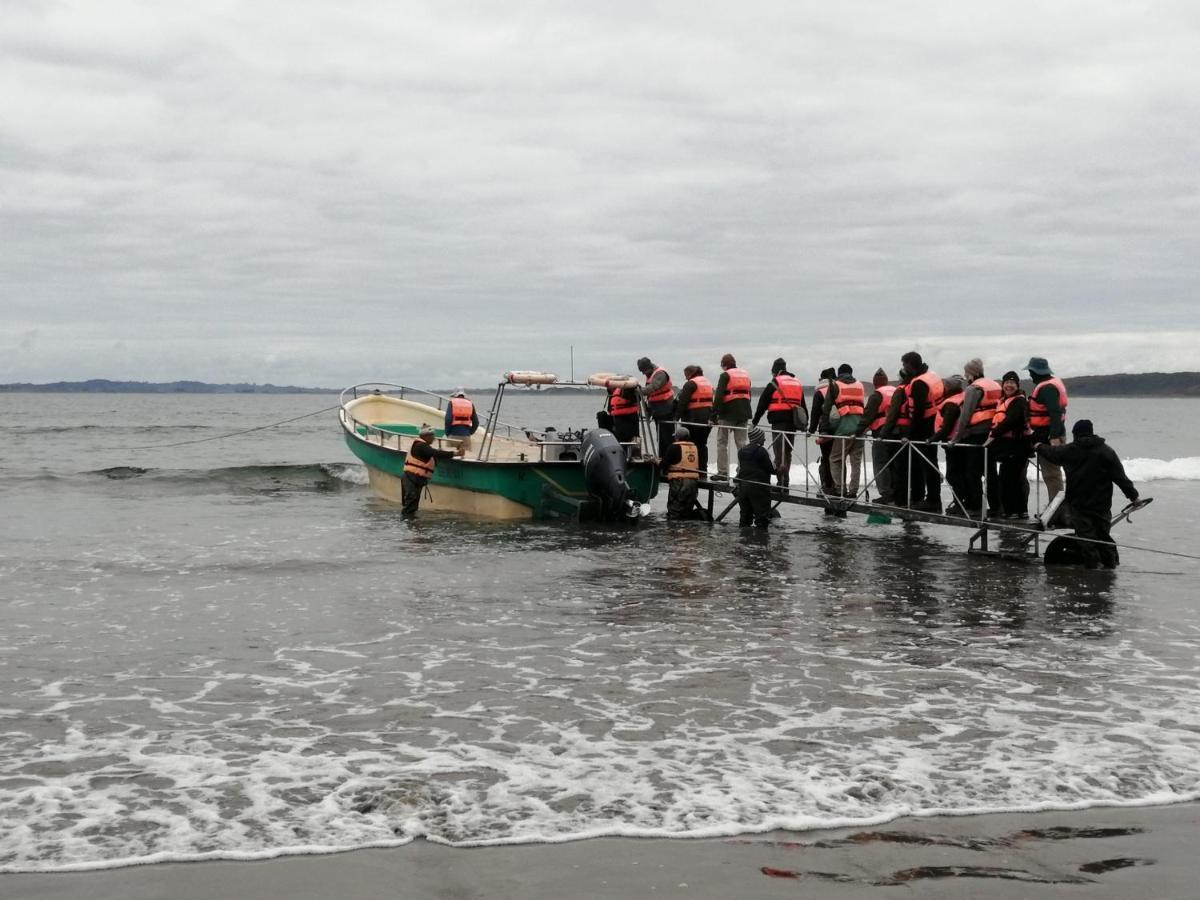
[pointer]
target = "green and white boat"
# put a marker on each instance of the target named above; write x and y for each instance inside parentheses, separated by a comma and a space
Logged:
(509, 473)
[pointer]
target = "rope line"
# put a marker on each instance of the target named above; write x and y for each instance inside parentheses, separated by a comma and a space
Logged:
(220, 437)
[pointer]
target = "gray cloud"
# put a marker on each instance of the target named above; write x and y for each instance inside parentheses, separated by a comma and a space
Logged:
(427, 193)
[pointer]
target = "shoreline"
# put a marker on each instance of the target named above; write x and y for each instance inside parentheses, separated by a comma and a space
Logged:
(1112, 852)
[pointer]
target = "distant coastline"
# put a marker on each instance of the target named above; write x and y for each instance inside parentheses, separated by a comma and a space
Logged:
(1145, 384)
(104, 386)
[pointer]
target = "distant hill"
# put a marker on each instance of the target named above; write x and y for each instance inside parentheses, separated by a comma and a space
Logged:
(1146, 384)
(104, 386)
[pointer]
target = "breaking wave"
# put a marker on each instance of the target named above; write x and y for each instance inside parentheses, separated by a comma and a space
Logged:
(300, 477)
(1184, 468)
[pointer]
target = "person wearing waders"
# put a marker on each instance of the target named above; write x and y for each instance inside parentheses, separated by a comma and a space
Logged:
(1092, 468)
(754, 480)
(680, 465)
(418, 468)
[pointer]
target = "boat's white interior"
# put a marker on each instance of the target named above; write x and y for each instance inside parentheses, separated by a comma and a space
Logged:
(393, 422)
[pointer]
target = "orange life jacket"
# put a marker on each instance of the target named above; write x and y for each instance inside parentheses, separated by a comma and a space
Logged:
(1002, 411)
(664, 393)
(619, 406)
(938, 422)
(985, 411)
(886, 393)
(904, 419)
(421, 468)
(936, 389)
(461, 411)
(703, 395)
(851, 398)
(738, 387)
(1039, 416)
(689, 462)
(789, 394)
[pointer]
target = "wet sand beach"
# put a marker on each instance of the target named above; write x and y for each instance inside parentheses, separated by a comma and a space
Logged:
(1147, 852)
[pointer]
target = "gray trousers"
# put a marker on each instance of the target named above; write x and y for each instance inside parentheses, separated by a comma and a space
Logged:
(845, 464)
(725, 429)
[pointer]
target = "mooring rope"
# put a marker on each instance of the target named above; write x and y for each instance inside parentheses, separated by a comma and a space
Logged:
(220, 437)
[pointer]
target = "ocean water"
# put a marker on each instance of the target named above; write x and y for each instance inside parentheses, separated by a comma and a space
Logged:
(230, 649)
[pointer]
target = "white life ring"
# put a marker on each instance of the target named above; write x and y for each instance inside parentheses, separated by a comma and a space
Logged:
(530, 378)
(610, 381)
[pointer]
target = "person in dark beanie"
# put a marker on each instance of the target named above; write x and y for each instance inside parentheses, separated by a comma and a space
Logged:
(782, 401)
(660, 400)
(843, 409)
(873, 419)
(1092, 469)
(925, 389)
(754, 480)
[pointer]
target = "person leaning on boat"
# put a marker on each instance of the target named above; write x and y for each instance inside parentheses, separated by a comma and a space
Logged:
(461, 419)
(660, 400)
(418, 468)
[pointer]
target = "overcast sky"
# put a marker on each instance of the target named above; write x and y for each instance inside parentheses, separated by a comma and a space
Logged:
(320, 193)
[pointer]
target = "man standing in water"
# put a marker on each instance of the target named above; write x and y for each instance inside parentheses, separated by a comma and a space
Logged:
(754, 480)
(681, 467)
(418, 468)
(1093, 468)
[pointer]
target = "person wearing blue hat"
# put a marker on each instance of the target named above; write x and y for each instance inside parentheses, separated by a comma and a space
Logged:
(1093, 468)
(1047, 418)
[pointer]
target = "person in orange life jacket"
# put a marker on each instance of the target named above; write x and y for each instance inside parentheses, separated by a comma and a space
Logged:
(1008, 452)
(461, 419)
(981, 397)
(944, 425)
(924, 395)
(1092, 469)
(731, 411)
(621, 414)
(693, 407)
(680, 466)
(418, 468)
(815, 418)
(659, 394)
(895, 432)
(843, 409)
(754, 481)
(1047, 419)
(782, 401)
(873, 419)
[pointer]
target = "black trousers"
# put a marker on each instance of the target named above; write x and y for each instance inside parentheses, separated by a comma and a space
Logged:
(1011, 495)
(411, 488)
(699, 434)
(681, 498)
(782, 443)
(956, 475)
(899, 469)
(625, 428)
(1095, 526)
(926, 479)
(754, 504)
(666, 434)
(823, 469)
(972, 471)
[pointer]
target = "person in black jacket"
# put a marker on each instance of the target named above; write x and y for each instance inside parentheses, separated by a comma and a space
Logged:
(754, 480)
(784, 418)
(1093, 468)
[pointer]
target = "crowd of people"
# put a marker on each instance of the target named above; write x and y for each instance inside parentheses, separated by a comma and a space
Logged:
(988, 431)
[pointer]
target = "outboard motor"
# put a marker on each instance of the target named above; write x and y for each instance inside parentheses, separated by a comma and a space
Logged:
(604, 475)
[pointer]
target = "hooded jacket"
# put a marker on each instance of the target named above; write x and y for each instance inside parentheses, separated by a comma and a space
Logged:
(1092, 469)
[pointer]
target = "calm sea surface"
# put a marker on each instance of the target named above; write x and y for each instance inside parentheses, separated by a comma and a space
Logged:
(230, 649)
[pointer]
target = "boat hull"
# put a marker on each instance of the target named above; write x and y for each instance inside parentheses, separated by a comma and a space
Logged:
(498, 490)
